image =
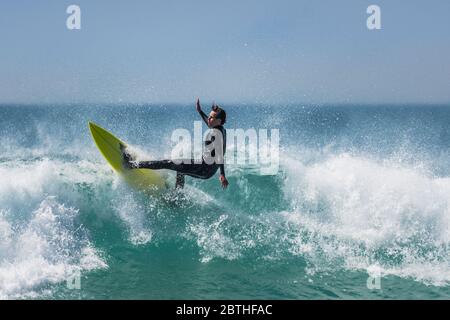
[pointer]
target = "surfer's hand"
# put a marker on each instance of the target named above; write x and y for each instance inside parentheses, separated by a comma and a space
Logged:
(224, 181)
(199, 108)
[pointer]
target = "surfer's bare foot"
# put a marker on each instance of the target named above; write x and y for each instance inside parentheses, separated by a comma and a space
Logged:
(127, 162)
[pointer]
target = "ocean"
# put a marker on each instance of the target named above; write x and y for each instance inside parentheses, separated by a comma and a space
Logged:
(358, 209)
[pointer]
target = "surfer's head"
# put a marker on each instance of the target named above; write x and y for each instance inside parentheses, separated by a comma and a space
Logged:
(217, 116)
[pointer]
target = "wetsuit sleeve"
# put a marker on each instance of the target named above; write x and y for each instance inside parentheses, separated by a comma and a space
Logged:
(204, 116)
(222, 169)
(224, 142)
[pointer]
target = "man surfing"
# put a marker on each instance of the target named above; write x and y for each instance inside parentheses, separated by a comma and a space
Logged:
(212, 157)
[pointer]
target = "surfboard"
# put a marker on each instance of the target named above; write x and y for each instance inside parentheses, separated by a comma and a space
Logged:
(109, 146)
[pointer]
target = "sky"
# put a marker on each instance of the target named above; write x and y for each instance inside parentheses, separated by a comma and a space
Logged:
(247, 51)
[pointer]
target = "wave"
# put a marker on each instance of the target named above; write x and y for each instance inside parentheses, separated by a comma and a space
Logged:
(357, 213)
(48, 249)
(343, 212)
(337, 211)
(41, 240)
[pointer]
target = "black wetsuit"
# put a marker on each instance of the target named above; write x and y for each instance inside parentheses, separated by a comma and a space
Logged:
(189, 167)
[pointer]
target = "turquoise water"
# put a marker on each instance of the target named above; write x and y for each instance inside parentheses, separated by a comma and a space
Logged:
(361, 191)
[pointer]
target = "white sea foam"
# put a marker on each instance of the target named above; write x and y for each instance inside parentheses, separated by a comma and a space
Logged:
(46, 250)
(357, 212)
(40, 241)
(213, 241)
(133, 214)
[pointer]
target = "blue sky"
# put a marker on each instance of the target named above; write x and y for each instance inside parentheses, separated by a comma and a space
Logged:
(250, 51)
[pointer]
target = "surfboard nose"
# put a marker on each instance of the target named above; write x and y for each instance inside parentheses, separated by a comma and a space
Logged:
(92, 125)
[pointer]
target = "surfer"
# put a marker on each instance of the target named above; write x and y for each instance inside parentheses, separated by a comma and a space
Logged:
(210, 162)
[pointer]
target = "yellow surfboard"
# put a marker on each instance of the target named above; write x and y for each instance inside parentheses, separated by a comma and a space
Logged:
(109, 146)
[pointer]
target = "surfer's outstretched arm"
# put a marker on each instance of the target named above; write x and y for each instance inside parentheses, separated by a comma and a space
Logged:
(222, 178)
(202, 114)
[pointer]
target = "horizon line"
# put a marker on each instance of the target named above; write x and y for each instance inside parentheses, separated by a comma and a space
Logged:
(268, 104)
